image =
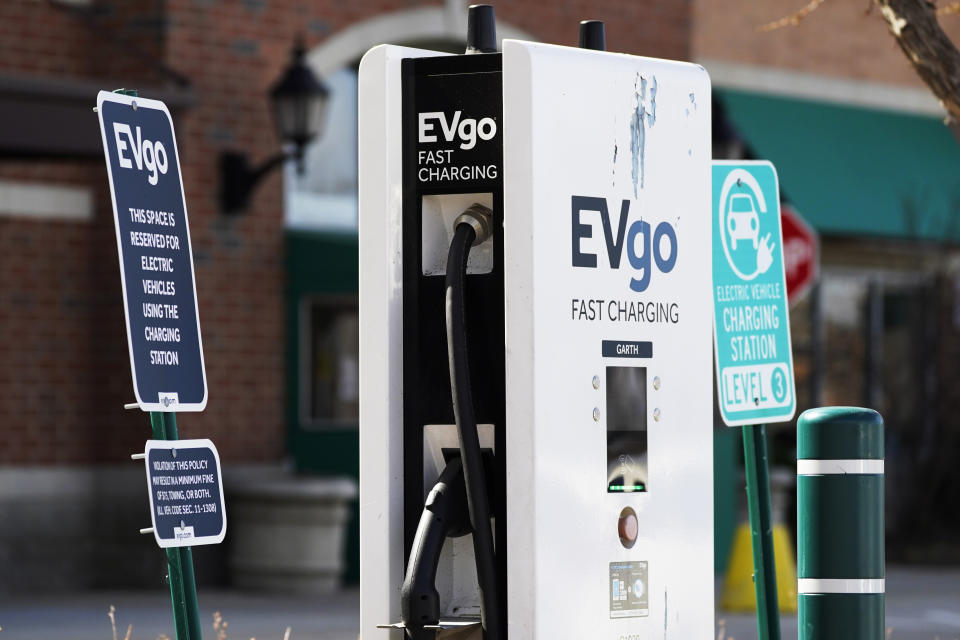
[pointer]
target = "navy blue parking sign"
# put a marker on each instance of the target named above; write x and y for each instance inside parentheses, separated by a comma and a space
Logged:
(186, 492)
(156, 259)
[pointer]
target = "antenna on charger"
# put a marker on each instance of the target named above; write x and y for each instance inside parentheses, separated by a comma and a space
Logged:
(481, 29)
(593, 35)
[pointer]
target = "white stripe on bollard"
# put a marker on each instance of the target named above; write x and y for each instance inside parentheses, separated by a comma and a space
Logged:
(827, 467)
(840, 585)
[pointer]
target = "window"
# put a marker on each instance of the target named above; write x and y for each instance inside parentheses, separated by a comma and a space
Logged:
(329, 363)
(325, 197)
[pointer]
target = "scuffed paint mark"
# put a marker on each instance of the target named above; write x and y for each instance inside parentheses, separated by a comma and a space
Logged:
(693, 101)
(652, 111)
(665, 618)
(638, 132)
(643, 117)
(616, 151)
(613, 171)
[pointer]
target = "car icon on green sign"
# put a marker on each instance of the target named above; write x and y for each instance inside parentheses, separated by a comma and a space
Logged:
(742, 220)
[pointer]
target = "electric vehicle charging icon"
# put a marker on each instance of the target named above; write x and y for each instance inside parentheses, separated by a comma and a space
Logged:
(742, 220)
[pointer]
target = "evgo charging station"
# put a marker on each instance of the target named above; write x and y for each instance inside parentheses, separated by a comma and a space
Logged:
(536, 359)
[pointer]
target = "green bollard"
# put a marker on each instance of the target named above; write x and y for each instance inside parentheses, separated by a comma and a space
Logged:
(840, 536)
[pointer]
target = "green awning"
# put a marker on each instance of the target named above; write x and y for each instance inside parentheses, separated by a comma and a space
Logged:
(855, 171)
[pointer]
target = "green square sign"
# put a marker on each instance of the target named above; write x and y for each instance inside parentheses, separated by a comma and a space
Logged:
(751, 320)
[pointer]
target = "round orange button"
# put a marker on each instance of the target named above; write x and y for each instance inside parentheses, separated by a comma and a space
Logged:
(627, 527)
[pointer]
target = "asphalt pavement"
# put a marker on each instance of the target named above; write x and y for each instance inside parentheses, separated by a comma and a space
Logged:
(922, 604)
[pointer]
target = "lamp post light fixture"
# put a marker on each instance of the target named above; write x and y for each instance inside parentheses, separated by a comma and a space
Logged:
(298, 104)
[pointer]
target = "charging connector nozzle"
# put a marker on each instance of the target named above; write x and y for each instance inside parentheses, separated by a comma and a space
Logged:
(480, 218)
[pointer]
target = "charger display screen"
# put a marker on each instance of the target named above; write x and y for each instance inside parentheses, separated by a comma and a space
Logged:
(626, 429)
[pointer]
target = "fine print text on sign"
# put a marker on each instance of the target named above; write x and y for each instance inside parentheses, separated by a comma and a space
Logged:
(156, 260)
(186, 492)
(751, 319)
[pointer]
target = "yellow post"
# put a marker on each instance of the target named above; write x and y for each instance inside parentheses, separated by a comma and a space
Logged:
(738, 588)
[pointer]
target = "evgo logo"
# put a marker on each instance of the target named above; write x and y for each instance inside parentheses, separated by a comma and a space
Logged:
(645, 247)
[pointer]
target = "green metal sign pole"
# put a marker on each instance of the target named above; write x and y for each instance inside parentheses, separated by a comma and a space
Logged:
(183, 587)
(761, 530)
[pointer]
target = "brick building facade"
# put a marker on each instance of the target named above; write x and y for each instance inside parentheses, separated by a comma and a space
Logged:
(64, 369)
(65, 477)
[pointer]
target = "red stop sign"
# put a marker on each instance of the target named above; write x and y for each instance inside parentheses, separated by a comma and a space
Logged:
(801, 253)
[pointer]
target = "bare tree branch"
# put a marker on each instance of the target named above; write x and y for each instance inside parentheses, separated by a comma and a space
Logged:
(953, 7)
(793, 19)
(913, 24)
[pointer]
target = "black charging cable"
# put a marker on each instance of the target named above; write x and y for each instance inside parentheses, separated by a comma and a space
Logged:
(472, 227)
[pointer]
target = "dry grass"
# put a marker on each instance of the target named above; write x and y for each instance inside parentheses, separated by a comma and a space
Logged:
(220, 626)
(722, 630)
(112, 614)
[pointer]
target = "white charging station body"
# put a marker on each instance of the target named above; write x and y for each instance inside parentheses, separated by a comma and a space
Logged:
(609, 387)
(607, 346)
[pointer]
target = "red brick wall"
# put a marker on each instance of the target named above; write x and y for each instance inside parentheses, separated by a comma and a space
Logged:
(642, 27)
(37, 38)
(64, 370)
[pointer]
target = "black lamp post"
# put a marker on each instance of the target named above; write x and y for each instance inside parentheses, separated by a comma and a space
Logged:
(299, 104)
